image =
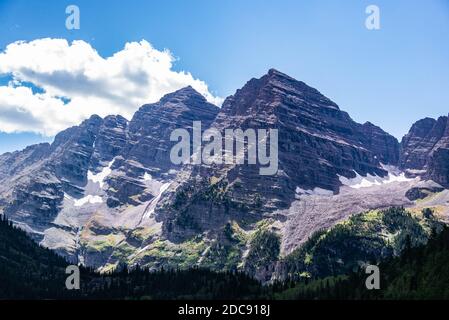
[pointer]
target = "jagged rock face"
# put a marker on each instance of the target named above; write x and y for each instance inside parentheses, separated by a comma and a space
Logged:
(11, 163)
(418, 143)
(151, 126)
(439, 167)
(96, 169)
(148, 142)
(39, 176)
(425, 150)
(35, 201)
(71, 154)
(317, 143)
(109, 143)
(385, 147)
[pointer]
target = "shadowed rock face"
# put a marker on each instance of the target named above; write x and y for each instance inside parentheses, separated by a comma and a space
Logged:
(425, 149)
(151, 126)
(439, 166)
(110, 141)
(317, 142)
(418, 143)
(385, 147)
(71, 154)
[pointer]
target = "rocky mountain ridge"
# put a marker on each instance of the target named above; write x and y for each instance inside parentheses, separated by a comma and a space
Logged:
(317, 143)
(106, 192)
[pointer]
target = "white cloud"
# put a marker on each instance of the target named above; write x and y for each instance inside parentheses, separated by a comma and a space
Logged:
(119, 84)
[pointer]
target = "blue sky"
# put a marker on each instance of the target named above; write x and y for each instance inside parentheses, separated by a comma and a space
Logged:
(391, 77)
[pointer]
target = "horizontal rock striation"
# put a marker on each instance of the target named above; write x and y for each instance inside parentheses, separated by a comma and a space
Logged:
(317, 143)
(425, 150)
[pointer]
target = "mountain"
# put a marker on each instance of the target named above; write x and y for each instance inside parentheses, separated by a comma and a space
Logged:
(318, 143)
(106, 192)
(425, 150)
(95, 171)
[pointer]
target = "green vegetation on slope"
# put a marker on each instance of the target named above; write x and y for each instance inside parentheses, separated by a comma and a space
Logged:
(366, 238)
(263, 253)
(421, 271)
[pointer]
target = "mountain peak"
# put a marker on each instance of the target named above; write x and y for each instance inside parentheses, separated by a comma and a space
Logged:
(274, 73)
(274, 76)
(258, 93)
(189, 89)
(184, 98)
(183, 94)
(94, 120)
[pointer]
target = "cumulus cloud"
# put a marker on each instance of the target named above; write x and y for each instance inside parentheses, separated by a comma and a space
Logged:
(56, 84)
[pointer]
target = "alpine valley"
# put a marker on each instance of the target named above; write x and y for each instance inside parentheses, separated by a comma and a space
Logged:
(105, 193)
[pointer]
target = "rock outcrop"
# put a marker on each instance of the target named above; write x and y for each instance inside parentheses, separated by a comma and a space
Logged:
(425, 150)
(385, 147)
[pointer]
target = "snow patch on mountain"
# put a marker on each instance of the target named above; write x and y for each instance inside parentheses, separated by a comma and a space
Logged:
(311, 211)
(315, 191)
(88, 199)
(150, 209)
(93, 189)
(101, 176)
(359, 181)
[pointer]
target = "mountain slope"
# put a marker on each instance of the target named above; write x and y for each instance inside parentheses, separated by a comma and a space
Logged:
(419, 273)
(27, 270)
(32, 272)
(365, 238)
